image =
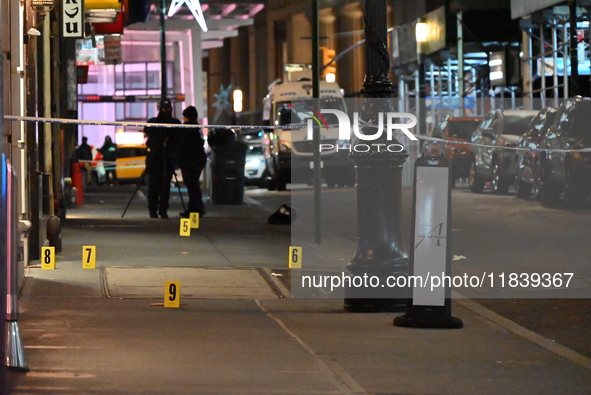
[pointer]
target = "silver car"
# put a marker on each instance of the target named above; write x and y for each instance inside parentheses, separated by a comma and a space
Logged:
(500, 129)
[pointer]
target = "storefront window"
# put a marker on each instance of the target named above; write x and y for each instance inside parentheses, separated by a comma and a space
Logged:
(141, 78)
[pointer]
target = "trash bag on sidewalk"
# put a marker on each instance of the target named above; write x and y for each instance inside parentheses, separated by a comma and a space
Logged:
(283, 216)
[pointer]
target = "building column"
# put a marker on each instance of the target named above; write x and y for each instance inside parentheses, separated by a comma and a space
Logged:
(239, 63)
(251, 100)
(327, 20)
(298, 47)
(351, 19)
(197, 60)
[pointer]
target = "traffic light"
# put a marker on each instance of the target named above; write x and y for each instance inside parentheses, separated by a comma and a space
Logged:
(329, 68)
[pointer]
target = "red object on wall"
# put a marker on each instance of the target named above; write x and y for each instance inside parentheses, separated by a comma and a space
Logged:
(110, 28)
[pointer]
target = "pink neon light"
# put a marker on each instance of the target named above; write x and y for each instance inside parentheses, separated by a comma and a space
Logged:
(255, 9)
(228, 9)
(182, 65)
(191, 70)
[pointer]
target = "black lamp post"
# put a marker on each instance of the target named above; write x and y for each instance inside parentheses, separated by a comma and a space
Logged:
(163, 70)
(3, 252)
(574, 61)
(421, 38)
(380, 251)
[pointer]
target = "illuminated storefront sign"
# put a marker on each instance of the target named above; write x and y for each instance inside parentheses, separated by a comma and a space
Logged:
(194, 7)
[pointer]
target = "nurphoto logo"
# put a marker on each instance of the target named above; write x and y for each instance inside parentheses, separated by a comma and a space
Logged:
(345, 125)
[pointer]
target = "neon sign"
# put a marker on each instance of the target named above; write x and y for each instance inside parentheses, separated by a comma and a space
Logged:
(194, 7)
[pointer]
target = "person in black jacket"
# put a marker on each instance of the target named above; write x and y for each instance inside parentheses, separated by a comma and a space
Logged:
(83, 153)
(191, 159)
(109, 151)
(159, 166)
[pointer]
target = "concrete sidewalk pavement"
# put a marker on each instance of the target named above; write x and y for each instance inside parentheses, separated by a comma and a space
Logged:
(235, 340)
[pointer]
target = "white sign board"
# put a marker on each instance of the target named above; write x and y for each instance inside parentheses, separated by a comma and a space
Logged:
(430, 242)
(73, 18)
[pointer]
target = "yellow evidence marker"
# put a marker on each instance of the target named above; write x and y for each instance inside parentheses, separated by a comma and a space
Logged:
(172, 294)
(194, 220)
(295, 258)
(89, 257)
(185, 227)
(48, 258)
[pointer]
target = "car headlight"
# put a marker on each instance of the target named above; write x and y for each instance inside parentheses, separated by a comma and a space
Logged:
(253, 163)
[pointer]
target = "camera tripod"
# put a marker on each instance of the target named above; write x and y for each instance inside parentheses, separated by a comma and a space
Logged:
(176, 181)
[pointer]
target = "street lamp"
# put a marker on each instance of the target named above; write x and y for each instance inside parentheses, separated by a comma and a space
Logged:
(237, 104)
(163, 68)
(380, 251)
(237, 100)
(421, 33)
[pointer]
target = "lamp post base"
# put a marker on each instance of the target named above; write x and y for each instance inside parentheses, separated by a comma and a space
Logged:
(431, 319)
(380, 255)
(374, 305)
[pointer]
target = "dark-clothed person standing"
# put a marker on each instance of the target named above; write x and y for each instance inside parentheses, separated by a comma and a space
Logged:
(84, 153)
(159, 166)
(109, 151)
(191, 159)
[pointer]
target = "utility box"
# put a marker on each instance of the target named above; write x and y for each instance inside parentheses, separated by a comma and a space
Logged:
(227, 167)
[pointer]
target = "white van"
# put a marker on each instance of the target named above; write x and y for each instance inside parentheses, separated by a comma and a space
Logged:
(290, 104)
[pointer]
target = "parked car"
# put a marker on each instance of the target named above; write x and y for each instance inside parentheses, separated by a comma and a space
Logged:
(257, 155)
(521, 167)
(255, 167)
(458, 129)
(528, 163)
(500, 128)
(564, 169)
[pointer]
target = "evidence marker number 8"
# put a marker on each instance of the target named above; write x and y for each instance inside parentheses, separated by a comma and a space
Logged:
(48, 258)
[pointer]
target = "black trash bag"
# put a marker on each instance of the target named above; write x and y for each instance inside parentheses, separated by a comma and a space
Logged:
(283, 216)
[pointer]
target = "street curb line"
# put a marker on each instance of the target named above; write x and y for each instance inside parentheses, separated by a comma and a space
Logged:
(286, 292)
(344, 381)
(249, 200)
(103, 282)
(519, 330)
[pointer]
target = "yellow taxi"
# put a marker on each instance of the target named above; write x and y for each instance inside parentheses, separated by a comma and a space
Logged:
(130, 162)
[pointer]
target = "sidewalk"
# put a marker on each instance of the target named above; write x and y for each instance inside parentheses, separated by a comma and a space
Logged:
(234, 333)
